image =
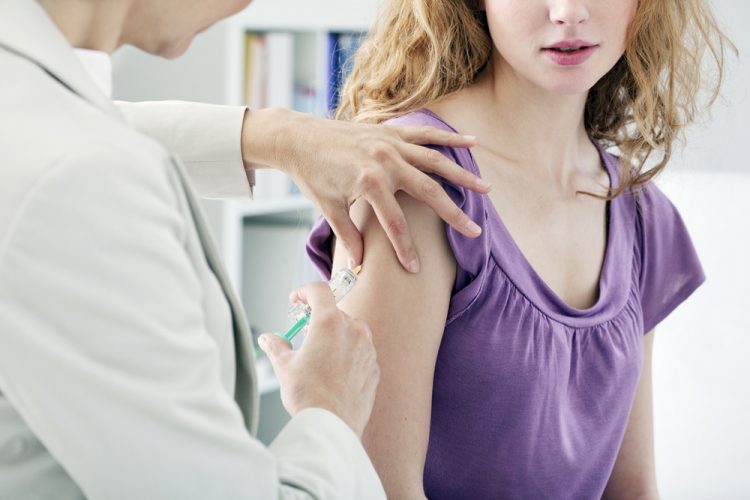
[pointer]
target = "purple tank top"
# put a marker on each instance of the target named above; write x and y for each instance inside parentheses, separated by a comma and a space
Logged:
(531, 397)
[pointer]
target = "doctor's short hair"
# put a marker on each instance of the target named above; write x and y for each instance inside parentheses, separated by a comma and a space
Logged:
(421, 50)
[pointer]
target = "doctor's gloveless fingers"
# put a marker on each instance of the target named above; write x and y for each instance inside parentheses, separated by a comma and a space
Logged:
(429, 160)
(426, 189)
(336, 367)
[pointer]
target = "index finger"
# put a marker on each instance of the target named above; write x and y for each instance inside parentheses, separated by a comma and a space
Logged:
(423, 135)
(392, 219)
(432, 161)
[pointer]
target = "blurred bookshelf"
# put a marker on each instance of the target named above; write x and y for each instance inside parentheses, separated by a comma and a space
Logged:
(288, 53)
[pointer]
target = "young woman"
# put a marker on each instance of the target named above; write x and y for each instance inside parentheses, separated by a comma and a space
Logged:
(517, 365)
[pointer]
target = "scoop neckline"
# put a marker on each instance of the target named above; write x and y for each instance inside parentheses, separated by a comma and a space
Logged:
(612, 293)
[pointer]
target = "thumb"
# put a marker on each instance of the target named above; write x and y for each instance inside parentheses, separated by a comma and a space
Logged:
(276, 348)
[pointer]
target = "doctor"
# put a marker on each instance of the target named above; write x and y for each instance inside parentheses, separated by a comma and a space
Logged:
(126, 370)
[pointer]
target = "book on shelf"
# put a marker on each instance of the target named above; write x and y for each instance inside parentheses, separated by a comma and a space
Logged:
(269, 82)
(341, 50)
(302, 71)
(310, 73)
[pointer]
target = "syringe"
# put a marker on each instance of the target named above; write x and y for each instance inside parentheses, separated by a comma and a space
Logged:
(341, 283)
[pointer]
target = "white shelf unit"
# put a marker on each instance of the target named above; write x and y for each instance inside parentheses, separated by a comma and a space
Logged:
(228, 220)
(212, 70)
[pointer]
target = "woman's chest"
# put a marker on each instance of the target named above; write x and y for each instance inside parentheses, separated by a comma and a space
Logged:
(504, 341)
(562, 235)
(535, 399)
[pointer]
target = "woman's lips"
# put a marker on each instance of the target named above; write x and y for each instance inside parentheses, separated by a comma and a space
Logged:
(566, 54)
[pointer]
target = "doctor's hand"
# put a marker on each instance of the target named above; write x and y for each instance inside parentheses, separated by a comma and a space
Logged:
(336, 367)
(334, 163)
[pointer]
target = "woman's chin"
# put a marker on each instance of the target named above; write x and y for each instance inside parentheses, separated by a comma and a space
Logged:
(568, 86)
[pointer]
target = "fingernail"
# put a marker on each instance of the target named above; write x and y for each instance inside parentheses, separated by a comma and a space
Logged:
(413, 266)
(470, 137)
(473, 227)
(483, 184)
(263, 342)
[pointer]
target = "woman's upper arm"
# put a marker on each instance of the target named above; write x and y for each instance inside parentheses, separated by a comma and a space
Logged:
(406, 313)
(634, 473)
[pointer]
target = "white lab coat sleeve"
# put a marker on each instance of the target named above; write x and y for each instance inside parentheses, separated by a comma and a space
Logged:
(338, 450)
(106, 356)
(206, 137)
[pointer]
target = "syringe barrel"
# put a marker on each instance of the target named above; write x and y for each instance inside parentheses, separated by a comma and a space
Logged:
(340, 284)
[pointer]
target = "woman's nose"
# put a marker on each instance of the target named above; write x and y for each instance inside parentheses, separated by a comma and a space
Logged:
(568, 12)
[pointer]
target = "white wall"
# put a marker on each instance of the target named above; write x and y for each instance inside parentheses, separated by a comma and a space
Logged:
(196, 76)
(701, 368)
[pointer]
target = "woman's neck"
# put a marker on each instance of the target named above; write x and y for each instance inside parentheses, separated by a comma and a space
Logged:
(534, 127)
(94, 25)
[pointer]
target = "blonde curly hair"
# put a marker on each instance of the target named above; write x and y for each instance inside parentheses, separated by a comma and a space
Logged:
(421, 50)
